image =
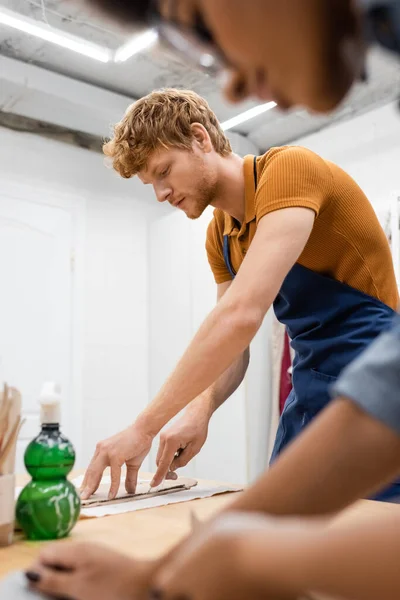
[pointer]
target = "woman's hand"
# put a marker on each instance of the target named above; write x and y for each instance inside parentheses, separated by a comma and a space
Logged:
(238, 556)
(89, 572)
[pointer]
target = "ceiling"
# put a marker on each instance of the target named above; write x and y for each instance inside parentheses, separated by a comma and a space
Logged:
(150, 69)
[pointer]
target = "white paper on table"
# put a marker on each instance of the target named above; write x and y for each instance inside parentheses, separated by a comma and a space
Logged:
(202, 490)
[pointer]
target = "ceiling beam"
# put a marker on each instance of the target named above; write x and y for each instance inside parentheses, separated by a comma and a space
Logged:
(23, 124)
(34, 92)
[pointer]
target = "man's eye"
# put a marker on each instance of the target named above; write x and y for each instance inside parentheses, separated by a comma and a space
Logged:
(165, 172)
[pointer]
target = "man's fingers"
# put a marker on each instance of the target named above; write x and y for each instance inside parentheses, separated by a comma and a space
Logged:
(182, 460)
(85, 477)
(160, 449)
(184, 457)
(131, 478)
(83, 485)
(164, 463)
(115, 480)
(93, 476)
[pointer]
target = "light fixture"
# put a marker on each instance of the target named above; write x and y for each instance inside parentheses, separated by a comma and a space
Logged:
(50, 34)
(137, 44)
(247, 115)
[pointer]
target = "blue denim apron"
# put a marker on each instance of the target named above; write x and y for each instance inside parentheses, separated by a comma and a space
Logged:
(329, 323)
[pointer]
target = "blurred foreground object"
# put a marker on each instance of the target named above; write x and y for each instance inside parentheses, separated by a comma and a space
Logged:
(10, 424)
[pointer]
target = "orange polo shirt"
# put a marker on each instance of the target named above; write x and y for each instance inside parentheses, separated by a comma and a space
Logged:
(347, 242)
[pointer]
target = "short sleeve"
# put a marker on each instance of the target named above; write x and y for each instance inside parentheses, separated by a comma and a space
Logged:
(293, 177)
(215, 255)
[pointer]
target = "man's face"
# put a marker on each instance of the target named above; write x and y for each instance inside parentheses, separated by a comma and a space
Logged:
(186, 179)
(296, 52)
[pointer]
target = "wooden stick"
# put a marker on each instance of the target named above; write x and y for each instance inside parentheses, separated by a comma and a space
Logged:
(4, 415)
(10, 444)
(14, 417)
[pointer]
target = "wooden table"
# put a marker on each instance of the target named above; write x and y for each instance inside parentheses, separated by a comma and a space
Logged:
(150, 533)
(143, 534)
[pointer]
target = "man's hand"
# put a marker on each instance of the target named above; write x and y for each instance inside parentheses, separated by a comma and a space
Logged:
(90, 572)
(180, 443)
(129, 447)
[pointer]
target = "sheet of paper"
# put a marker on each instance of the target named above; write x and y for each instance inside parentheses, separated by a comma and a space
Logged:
(200, 491)
(143, 490)
(15, 587)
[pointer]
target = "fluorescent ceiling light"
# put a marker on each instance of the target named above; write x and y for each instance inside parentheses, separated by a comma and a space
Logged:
(49, 34)
(136, 44)
(247, 115)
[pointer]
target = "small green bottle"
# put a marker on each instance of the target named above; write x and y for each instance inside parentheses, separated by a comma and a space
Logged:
(48, 507)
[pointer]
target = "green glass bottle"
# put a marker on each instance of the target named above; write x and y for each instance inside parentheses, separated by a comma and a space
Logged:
(48, 507)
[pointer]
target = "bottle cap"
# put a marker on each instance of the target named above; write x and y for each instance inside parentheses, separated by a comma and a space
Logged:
(50, 403)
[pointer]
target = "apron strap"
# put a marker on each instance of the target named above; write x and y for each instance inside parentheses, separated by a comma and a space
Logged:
(255, 173)
(227, 257)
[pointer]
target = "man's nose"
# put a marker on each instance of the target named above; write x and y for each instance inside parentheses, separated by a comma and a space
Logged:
(163, 194)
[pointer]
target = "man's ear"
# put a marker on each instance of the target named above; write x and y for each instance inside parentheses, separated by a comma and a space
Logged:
(201, 137)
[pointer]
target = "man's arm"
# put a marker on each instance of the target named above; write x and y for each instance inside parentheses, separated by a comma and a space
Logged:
(189, 433)
(230, 327)
(219, 391)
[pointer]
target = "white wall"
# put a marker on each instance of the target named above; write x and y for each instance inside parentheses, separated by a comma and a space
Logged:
(182, 292)
(115, 380)
(368, 148)
(110, 271)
